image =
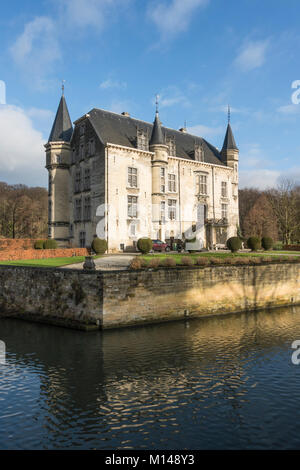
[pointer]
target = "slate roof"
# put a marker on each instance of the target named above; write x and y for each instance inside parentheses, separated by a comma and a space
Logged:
(62, 128)
(229, 142)
(122, 130)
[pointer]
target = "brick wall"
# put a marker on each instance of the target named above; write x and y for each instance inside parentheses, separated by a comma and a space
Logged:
(10, 254)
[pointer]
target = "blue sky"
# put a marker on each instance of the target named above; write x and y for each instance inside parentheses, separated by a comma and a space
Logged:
(198, 55)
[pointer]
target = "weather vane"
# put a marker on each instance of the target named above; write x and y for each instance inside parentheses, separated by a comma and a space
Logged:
(156, 102)
(63, 87)
(228, 114)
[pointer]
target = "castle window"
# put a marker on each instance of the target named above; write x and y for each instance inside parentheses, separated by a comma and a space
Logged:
(172, 183)
(81, 152)
(224, 211)
(170, 141)
(77, 215)
(132, 206)
(57, 159)
(87, 209)
(91, 147)
(224, 189)
(199, 153)
(172, 209)
(163, 211)
(77, 186)
(82, 239)
(50, 185)
(82, 129)
(142, 139)
(49, 210)
(162, 180)
(87, 179)
(132, 177)
(201, 184)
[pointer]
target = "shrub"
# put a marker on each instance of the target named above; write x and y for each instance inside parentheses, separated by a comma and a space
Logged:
(202, 261)
(50, 244)
(144, 245)
(187, 261)
(234, 244)
(154, 262)
(254, 243)
(99, 245)
(39, 244)
(267, 243)
(168, 262)
(277, 246)
(291, 247)
(216, 260)
(136, 263)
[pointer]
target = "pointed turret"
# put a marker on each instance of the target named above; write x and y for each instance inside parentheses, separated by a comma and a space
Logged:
(62, 127)
(157, 137)
(230, 152)
(229, 142)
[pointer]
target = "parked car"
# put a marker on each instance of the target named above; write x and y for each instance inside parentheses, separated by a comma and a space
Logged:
(158, 245)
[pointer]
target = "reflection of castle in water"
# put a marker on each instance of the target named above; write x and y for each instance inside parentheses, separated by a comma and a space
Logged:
(132, 377)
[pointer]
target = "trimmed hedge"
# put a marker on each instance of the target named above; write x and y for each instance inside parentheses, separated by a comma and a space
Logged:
(144, 245)
(39, 244)
(50, 244)
(254, 243)
(99, 246)
(267, 243)
(234, 244)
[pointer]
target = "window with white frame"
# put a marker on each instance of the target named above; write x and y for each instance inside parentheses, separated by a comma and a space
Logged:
(163, 211)
(224, 189)
(132, 177)
(172, 209)
(199, 153)
(224, 211)
(142, 139)
(162, 180)
(201, 184)
(172, 183)
(170, 141)
(132, 206)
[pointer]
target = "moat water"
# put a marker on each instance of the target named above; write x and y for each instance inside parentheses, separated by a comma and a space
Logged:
(218, 383)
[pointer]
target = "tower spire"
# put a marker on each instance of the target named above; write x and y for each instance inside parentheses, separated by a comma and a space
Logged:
(157, 135)
(62, 128)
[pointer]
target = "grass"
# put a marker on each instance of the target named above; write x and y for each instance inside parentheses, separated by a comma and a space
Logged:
(48, 262)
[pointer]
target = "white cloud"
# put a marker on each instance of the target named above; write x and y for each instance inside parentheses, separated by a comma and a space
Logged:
(205, 131)
(171, 96)
(37, 49)
(173, 17)
(2, 92)
(252, 55)
(261, 179)
(22, 157)
(289, 109)
(83, 14)
(110, 83)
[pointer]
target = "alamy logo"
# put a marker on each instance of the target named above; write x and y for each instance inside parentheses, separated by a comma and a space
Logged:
(2, 92)
(296, 95)
(296, 354)
(2, 352)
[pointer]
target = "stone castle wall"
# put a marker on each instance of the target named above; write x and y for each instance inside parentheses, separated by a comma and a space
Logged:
(126, 298)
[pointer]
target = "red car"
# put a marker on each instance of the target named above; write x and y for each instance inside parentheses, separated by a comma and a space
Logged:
(158, 245)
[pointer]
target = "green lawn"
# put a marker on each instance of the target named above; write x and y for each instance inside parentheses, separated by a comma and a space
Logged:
(48, 262)
(218, 254)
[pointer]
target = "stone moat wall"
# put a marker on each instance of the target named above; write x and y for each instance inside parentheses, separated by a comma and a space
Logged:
(114, 299)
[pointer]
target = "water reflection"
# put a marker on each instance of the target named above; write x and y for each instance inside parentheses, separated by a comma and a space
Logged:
(225, 382)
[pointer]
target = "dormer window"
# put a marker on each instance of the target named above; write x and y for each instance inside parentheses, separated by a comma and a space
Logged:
(142, 139)
(170, 141)
(199, 153)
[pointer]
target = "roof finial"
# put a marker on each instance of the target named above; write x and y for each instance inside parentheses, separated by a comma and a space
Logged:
(63, 87)
(229, 114)
(156, 103)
